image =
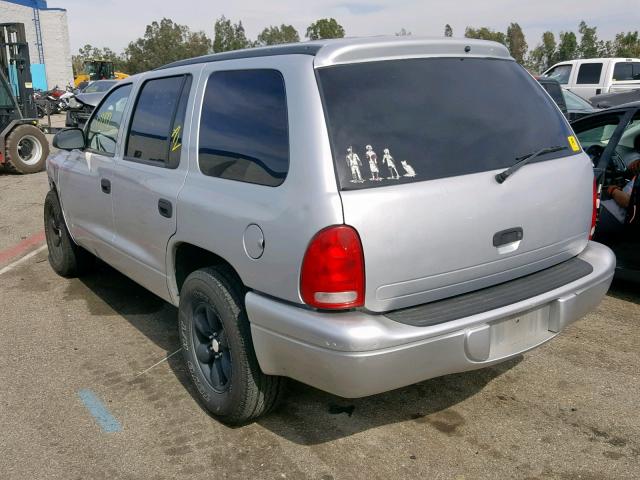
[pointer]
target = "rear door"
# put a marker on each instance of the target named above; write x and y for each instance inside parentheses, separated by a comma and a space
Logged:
(626, 76)
(417, 144)
(149, 176)
(589, 79)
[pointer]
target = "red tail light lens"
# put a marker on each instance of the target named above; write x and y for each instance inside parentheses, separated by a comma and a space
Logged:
(596, 206)
(333, 269)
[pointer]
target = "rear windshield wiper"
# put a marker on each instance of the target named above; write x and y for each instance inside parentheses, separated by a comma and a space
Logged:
(523, 160)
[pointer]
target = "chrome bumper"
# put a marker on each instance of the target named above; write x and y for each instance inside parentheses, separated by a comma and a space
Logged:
(355, 354)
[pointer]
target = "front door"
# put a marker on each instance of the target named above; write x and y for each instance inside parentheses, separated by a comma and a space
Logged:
(85, 177)
(148, 178)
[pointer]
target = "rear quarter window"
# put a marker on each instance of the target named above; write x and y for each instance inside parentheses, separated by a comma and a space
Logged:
(403, 121)
(244, 133)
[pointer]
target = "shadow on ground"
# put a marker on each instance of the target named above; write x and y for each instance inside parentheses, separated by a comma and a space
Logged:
(625, 290)
(333, 417)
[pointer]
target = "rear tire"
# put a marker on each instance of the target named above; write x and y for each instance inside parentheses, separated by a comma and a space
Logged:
(218, 350)
(65, 257)
(27, 149)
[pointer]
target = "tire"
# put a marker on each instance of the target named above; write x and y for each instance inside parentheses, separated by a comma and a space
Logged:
(27, 149)
(225, 371)
(65, 257)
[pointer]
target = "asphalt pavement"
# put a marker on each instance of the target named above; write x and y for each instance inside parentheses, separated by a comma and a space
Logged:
(92, 386)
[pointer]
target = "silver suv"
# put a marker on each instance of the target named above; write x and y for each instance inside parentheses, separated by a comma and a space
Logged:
(354, 214)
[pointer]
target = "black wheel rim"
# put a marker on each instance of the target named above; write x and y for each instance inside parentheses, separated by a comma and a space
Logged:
(54, 233)
(211, 347)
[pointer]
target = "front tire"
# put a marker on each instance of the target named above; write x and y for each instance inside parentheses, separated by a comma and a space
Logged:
(218, 350)
(27, 149)
(65, 257)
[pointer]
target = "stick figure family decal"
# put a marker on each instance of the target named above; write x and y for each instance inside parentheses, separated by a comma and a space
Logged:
(355, 164)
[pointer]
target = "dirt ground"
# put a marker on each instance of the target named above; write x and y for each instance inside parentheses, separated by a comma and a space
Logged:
(568, 410)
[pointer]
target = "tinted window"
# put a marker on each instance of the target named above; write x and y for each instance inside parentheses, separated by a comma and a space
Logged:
(419, 119)
(153, 119)
(102, 131)
(561, 73)
(589, 73)
(243, 128)
(626, 71)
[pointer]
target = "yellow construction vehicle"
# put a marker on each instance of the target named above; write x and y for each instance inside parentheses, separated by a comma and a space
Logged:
(97, 70)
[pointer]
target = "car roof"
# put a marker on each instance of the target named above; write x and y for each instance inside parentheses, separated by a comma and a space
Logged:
(351, 50)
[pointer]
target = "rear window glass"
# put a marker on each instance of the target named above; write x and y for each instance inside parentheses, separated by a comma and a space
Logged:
(589, 73)
(244, 133)
(402, 121)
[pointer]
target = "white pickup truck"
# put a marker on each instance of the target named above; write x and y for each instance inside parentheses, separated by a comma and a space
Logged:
(594, 76)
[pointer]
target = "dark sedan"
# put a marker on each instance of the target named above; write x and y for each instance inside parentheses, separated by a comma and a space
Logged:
(612, 139)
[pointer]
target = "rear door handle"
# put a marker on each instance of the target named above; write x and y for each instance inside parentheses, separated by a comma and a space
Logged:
(165, 208)
(105, 185)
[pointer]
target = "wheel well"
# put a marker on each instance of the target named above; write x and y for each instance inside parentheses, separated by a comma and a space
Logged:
(189, 258)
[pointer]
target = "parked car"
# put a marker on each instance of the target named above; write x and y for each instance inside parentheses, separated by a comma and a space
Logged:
(595, 76)
(315, 212)
(608, 100)
(609, 138)
(83, 103)
(570, 104)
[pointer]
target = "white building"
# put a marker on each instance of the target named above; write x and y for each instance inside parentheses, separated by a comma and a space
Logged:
(47, 33)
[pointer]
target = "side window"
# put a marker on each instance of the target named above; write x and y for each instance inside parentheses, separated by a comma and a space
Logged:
(589, 73)
(625, 71)
(102, 131)
(155, 135)
(244, 132)
(561, 73)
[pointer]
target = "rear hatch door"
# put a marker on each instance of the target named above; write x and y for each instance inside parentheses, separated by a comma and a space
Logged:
(417, 144)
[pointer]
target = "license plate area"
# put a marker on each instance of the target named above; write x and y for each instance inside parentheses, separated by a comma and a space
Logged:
(519, 333)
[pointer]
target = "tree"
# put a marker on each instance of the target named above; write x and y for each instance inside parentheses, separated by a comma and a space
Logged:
(485, 33)
(277, 35)
(163, 43)
(626, 45)
(229, 36)
(588, 42)
(403, 33)
(544, 55)
(448, 31)
(568, 47)
(89, 52)
(325, 28)
(516, 43)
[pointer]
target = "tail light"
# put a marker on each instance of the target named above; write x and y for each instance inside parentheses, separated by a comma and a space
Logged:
(596, 206)
(332, 274)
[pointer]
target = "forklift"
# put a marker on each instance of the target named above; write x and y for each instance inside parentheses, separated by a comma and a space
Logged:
(23, 146)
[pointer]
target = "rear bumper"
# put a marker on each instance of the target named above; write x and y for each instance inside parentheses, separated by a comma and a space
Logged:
(355, 354)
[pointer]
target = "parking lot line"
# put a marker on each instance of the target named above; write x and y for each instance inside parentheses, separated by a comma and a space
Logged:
(29, 255)
(22, 247)
(107, 422)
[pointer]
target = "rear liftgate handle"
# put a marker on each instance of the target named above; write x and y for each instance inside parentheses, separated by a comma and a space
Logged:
(509, 240)
(165, 208)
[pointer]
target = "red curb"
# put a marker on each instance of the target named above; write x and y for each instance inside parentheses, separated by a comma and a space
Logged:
(22, 247)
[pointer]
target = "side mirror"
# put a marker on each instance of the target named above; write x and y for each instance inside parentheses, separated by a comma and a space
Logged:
(70, 139)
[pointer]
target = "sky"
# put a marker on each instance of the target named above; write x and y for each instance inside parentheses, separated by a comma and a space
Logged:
(114, 23)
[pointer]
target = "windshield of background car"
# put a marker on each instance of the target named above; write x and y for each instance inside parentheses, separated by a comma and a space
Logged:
(403, 121)
(574, 102)
(597, 130)
(96, 87)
